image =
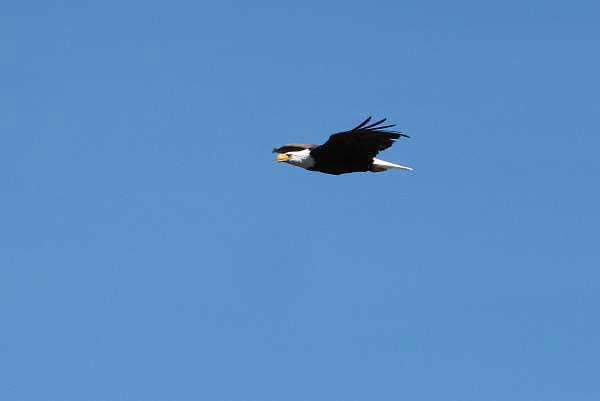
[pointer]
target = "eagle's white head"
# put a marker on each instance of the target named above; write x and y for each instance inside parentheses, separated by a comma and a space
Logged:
(300, 158)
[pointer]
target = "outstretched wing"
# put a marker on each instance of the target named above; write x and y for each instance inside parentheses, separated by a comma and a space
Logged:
(365, 140)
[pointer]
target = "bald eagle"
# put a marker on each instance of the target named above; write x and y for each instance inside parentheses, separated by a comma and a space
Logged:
(345, 152)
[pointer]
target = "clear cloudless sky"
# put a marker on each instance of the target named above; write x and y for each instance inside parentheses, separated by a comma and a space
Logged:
(152, 249)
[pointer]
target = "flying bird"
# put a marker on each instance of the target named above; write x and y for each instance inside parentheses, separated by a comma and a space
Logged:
(345, 152)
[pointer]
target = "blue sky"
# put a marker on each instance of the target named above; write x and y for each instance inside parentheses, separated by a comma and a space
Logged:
(151, 248)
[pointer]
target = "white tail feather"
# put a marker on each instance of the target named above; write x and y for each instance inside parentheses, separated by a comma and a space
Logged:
(382, 164)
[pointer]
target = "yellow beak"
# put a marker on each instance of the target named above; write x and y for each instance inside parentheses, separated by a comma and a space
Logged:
(282, 157)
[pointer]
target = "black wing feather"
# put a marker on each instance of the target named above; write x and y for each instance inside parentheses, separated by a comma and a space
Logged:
(362, 124)
(374, 124)
(385, 126)
(364, 140)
